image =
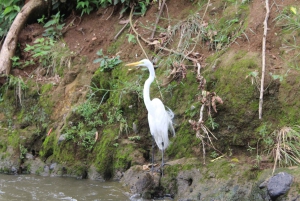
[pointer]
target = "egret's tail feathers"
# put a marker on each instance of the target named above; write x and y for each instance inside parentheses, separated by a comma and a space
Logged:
(170, 112)
(171, 115)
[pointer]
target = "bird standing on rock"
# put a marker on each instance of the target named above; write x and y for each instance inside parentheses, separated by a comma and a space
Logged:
(159, 119)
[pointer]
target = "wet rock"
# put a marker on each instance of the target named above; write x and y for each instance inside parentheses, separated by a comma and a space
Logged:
(52, 166)
(46, 171)
(8, 160)
(136, 197)
(140, 181)
(186, 181)
(29, 156)
(94, 175)
(36, 166)
(13, 170)
(118, 176)
(279, 184)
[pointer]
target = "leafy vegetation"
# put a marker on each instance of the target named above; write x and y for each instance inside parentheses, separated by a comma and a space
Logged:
(54, 27)
(51, 55)
(9, 10)
(106, 63)
(86, 6)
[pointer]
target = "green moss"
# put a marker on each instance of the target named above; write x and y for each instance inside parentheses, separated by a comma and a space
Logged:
(288, 98)
(113, 47)
(222, 169)
(104, 151)
(240, 100)
(46, 88)
(123, 157)
(13, 139)
(183, 142)
(48, 145)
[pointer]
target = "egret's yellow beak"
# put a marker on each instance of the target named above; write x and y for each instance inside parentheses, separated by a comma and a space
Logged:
(134, 64)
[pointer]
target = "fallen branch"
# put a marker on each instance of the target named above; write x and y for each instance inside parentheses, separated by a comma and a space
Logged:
(263, 68)
(117, 35)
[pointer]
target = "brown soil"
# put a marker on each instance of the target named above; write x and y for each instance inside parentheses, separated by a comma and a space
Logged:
(86, 35)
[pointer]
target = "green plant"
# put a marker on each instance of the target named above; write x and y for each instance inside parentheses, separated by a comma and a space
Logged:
(86, 6)
(87, 139)
(90, 113)
(41, 20)
(23, 151)
(250, 149)
(212, 122)
(51, 54)
(28, 63)
(9, 10)
(134, 138)
(289, 19)
(42, 50)
(214, 154)
(266, 137)
(53, 27)
(106, 63)
(131, 38)
(15, 61)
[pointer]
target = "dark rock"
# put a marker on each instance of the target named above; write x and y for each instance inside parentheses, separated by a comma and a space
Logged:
(140, 181)
(52, 166)
(29, 156)
(14, 170)
(279, 184)
(94, 175)
(136, 197)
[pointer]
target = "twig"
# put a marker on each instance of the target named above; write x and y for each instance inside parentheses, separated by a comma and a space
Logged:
(158, 46)
(198, 36)
(263, 60)
(136, 33)
(117, 35)
(111, 13)
(157, 19)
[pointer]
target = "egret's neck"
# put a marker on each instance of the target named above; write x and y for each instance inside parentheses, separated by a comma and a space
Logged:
(146, 91)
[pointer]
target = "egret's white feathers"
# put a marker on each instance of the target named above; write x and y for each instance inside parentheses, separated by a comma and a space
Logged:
(160, 119)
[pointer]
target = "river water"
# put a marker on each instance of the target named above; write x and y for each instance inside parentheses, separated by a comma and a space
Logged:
(30, 187)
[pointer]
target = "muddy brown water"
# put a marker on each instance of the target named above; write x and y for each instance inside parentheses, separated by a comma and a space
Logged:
(30, 187)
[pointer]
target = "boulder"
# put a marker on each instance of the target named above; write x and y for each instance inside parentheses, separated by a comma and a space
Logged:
(279, 184)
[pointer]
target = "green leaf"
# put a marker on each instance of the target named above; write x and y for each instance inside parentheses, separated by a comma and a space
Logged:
(7, 10)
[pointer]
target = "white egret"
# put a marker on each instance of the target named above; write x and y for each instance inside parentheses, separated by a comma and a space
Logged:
(159, 119)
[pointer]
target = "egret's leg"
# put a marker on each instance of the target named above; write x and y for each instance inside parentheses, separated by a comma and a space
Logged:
(152, 154)
(162, 160)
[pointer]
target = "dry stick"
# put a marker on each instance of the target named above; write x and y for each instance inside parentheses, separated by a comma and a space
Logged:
(115, 38)
(157, 19)
(263, 68)
(158, 46)
(136, 33)
(111, 13)
(198, 36)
